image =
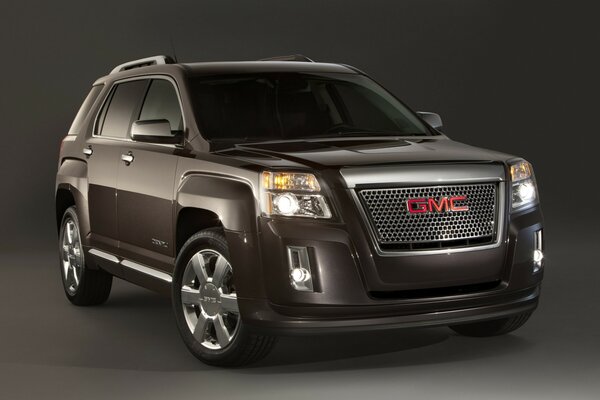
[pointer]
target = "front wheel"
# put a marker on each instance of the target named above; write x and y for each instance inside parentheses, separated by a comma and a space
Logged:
(493, 327)
(206, 308)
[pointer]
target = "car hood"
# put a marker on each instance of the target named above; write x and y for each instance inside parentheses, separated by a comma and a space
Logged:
(340, 152)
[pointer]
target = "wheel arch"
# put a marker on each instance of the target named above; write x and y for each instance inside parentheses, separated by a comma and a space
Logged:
(207, 201)
(191, 220)
(231, 200)
(71, 190)
(64, 200)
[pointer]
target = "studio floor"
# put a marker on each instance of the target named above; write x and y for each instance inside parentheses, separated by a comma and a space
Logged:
(130, 348)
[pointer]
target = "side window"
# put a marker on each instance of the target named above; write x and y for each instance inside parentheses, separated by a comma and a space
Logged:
(117, 115)
(162, 103)
(84, 110)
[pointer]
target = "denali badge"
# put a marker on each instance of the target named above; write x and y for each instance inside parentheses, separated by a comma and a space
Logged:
(159, 243)
(445, 204)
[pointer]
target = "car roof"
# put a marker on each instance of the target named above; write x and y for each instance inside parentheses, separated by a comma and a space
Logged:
(229, 68)
(242, 67)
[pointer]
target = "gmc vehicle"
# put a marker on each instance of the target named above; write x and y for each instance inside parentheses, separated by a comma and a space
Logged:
(285, 196)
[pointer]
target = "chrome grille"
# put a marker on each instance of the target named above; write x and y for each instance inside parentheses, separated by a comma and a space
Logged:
(396, 228)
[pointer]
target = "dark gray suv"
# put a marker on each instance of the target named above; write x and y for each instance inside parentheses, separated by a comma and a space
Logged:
(286, 196)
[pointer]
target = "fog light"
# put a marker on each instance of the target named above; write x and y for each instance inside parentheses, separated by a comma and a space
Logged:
(538, 251)
(299, 269)
(538, 256)
(300, 275)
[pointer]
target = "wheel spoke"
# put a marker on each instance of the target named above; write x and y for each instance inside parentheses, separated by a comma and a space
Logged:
(75, 277)
(66, 268)
(199, 268)
(70, 232)
(229, 303)
(190, 296)
(69, 276)
(221, 331)
(76, 243)
(201, 327)
(221, 268)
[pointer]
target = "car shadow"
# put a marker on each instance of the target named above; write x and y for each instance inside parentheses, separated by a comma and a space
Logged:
(313, 353)
(382, 349)
(136, 330)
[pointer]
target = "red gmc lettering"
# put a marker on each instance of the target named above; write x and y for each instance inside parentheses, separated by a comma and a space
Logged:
(444, 204)
(416, 206)
(439, 207)
(454, 207)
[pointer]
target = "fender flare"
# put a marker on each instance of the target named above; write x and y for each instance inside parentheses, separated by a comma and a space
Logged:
(234, 201)
(231, 199)
(72, 176)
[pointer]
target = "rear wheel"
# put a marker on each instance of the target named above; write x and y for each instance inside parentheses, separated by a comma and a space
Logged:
(493, 327)
(206, 307)
(83, 286)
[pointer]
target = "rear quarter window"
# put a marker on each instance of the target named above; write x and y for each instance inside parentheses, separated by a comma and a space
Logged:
(84, 110)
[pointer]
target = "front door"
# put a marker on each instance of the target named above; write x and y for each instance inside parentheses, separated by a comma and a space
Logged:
(146, 185)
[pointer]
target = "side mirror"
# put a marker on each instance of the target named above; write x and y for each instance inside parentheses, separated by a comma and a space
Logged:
(155, 131)
(432, 119)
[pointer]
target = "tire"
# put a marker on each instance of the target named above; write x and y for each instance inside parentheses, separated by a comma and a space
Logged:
(205, 305)
(492, 328)
(83, 286)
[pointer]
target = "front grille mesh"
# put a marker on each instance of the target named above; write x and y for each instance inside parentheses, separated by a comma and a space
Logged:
(395, 227)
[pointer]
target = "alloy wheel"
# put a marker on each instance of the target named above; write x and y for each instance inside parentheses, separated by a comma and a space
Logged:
(209, 299)
(71, 256)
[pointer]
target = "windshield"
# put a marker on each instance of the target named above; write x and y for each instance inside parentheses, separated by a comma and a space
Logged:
(276, 106)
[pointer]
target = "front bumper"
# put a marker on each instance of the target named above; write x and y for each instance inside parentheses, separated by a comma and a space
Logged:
(269, 318)
(358, 289)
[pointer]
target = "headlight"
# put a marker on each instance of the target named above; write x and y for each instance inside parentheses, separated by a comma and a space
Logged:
(524, 190)
(293, 194)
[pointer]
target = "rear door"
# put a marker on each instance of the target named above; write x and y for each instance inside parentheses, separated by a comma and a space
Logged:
(103, 150)
(146, 185)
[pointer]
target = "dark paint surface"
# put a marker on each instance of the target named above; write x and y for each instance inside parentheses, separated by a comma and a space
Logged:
(134, 208)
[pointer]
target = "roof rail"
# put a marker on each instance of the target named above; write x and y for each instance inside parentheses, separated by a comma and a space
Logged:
(292, 57)
(142, 62)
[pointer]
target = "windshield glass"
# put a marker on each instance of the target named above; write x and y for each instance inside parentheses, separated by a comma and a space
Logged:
(275, 106)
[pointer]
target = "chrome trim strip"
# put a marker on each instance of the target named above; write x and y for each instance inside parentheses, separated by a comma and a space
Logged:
(133, 265)
(106, 256)
(426, 174)
(147, 270)
(501, 213)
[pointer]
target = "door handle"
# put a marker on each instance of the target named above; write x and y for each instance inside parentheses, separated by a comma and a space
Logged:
(88, 151)
(127, 158)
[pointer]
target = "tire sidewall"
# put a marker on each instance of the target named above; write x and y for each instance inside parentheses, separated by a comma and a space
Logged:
(214, 240)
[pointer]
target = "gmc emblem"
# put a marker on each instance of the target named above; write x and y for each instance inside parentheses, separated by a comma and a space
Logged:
(445, 204)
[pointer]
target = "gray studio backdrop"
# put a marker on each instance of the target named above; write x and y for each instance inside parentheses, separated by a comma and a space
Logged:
(516, 76)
